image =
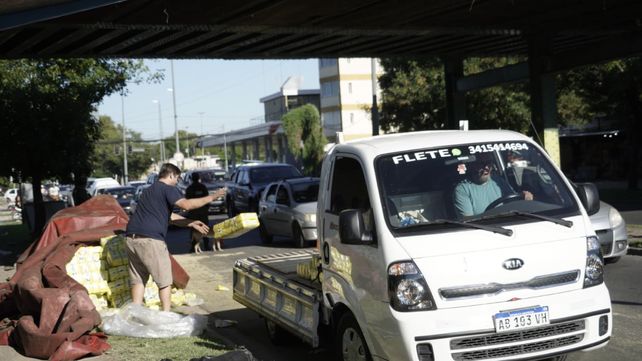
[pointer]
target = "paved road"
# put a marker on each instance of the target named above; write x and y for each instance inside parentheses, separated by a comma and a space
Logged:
(621, 278)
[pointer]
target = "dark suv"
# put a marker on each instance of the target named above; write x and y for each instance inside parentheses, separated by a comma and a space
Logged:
(248, 181)
(213, 179)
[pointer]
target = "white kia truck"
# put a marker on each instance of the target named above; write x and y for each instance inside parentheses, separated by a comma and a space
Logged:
(446, 245)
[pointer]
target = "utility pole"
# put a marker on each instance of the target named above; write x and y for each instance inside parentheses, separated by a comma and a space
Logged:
(202, 148)
(125, 180)
(178, 146)
(160, 127)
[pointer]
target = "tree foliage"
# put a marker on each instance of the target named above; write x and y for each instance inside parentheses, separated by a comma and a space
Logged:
(414, 97)
(46, 108)
(305, 137)
(108, 158)
(612, 91)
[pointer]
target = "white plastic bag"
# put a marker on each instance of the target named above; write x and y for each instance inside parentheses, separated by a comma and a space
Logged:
(139, 321)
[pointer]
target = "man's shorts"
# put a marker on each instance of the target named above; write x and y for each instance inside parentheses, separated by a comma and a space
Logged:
(148, 256)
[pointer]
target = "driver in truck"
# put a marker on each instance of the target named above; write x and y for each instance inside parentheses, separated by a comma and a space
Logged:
(481, 187)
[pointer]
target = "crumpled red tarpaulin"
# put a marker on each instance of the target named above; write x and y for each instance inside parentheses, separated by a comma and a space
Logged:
(54, 312)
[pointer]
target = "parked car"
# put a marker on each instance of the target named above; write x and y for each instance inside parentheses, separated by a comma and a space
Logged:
(134, 202)
(124, 195)
(213, 179)
(610, 228)
(152, 177)
(288, 208)
(248, 181)
(100, 183)
(10, 195)
(135, 184)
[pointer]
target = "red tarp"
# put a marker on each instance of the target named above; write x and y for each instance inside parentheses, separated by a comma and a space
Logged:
(54, 313)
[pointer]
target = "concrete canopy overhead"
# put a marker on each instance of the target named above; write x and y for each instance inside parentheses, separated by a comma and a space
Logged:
(576, 31)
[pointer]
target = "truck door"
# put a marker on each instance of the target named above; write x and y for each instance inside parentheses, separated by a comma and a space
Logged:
(359, 269)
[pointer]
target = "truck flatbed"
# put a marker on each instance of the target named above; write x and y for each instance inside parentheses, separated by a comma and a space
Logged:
(270, 286)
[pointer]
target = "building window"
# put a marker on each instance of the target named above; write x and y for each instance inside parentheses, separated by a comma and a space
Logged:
(330, 89)
(327, 62)
(351, 118)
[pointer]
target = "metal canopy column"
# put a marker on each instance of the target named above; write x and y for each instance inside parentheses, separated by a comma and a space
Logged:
(233, 154)
(268, 148)
(244, 145)
(255, 149)
(543, 100)
(455, 99)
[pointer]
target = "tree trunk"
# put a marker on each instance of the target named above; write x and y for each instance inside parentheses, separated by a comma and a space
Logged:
(38, 206)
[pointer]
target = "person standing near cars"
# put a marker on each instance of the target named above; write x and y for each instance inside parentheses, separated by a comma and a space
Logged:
(197, 190)
(147, 229)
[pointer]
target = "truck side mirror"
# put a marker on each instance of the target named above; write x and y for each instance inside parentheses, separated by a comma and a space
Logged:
(589, 196)
(352, 228)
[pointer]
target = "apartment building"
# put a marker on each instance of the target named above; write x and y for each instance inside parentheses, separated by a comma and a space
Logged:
(346, 96)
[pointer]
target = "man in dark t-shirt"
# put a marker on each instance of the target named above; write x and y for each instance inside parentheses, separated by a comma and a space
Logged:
(147, 229)
(197, 190)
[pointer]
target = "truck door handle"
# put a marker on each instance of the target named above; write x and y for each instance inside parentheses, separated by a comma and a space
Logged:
(334, 226)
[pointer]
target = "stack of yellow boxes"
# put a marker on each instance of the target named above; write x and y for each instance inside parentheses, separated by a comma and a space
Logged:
(236, 226)
(103, 271)
(310, 270)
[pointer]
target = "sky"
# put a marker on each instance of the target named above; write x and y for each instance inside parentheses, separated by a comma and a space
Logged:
(212, 96)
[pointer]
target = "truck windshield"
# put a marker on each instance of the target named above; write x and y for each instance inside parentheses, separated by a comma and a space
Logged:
(471, 183)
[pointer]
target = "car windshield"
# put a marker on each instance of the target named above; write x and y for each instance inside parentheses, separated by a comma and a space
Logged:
(487, 182)
(305, 192)
(211, 176)
(121, 193)
(271, 174)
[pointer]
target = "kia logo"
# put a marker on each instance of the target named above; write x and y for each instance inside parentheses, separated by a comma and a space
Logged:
(513, 263)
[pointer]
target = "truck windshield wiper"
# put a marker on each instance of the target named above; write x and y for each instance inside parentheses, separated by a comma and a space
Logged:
(561, 222)
(494, 229)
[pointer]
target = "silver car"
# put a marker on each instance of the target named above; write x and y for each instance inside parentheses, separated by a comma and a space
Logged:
(611, 230)
(288, 208)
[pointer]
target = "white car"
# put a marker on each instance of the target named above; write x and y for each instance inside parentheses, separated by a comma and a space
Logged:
(10, 195)
(288, 208)
(610, 228)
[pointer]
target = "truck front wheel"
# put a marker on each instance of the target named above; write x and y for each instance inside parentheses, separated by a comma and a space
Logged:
(350, 345)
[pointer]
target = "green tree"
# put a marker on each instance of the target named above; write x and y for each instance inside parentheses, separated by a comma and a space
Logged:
(414, 96)
(108, 158)
(305, 137)
(614, 91)
(46, 121)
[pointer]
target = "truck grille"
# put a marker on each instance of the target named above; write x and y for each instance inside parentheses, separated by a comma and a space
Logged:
(557, 279)
(499, 341)
(518, 349)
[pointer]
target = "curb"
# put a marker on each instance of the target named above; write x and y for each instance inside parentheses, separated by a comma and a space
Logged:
(634, 251)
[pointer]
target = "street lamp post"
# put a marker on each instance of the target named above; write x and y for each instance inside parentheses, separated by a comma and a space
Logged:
(160, 127)
(178, 155)
(122, 100)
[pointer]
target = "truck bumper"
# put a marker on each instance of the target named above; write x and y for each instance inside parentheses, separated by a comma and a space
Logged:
(579, 320)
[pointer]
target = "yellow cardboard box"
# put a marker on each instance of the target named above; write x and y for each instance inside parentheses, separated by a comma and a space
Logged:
(236, 226)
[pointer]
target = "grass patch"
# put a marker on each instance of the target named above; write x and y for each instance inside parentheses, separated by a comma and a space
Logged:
(153, 349)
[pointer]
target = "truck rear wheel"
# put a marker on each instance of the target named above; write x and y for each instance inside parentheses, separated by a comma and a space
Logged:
(350, 345)
(277, 334)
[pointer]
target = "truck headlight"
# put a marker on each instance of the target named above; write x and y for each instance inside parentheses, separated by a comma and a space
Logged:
(594, 273)
(310, 218)
(407, 288)
(615, 218)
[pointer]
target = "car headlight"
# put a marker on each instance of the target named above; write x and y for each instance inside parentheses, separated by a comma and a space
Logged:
(310, 218)
(407, 288)
(594, 272)
(615, 218)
